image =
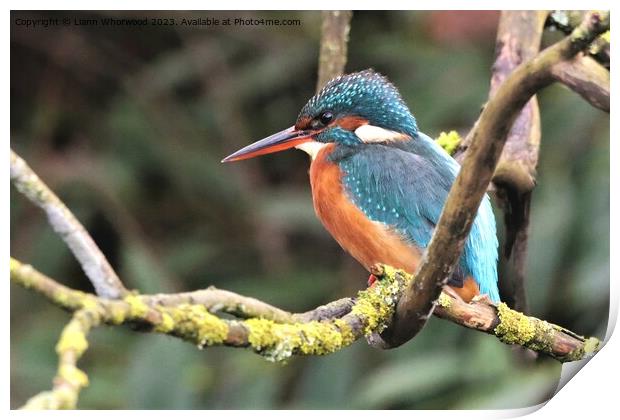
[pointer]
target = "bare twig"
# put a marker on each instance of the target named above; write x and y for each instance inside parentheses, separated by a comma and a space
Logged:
(334, 40)
(488, 138)
(216, 300)
(586, 77)
(93, 262)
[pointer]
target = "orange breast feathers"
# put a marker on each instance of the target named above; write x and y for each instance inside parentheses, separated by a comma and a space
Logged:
(367, 241)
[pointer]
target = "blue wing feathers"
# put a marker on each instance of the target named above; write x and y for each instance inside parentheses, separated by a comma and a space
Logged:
(406, 186)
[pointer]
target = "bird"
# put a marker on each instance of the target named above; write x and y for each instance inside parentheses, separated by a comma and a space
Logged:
(379, 184)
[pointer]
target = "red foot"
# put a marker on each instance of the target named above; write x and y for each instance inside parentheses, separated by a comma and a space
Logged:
(371, 280)
(483, 298)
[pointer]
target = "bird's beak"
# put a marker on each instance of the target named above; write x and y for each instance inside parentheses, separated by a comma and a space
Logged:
(283, 140)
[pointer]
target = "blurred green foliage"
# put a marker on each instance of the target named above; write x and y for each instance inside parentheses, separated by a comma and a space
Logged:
(128, 126)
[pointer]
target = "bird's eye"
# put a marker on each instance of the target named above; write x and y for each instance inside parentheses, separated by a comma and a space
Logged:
(326, 117)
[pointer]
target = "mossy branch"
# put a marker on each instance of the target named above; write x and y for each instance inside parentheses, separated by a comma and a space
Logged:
(275, 340)
(488, 139)
(513, 327)
(93, 262)
(69, 379)
(269, 331)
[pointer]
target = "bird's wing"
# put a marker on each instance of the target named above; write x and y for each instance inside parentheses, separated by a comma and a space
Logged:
(406, 188)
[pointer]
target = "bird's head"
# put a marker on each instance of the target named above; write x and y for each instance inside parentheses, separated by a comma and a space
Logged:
(354, 109)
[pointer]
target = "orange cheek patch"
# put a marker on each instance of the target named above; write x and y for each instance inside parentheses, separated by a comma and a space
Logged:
(350, 123)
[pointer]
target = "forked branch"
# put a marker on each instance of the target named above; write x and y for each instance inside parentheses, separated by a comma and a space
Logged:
(93, 262)
(488, 139)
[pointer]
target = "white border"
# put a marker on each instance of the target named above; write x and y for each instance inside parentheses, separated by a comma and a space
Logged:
(591, 393)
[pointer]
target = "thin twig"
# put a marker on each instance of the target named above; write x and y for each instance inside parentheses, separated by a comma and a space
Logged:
(216, 300)
(69, 380)
(518, 40)
(93, 262)
(488, 138)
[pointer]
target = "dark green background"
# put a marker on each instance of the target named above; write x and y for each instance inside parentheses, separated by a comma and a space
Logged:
(128, 126)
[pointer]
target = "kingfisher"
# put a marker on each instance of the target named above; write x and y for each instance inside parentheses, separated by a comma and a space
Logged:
(378, 183)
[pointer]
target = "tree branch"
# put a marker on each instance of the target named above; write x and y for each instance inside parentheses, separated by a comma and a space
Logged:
(215, 300)
(69, 379)
(334, 39)
(566, 21)
(586, 77)
(513, 327)
(93, 262)
(518, 40)
(277, 341)
(342, 321)
(488, 138)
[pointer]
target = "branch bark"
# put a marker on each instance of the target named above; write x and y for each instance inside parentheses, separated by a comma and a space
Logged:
(69, 380)
(63, 222)
(488, 138)
(587, 77)
(334, 40)
(518, 40)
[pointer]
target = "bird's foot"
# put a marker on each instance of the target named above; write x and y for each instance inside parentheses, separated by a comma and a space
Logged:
(484, 298)
(451, 292)
(372, 279)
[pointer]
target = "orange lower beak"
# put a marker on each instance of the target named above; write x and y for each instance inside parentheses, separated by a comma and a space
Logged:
(283, 140)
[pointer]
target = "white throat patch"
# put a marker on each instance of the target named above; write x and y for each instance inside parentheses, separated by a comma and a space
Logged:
(311, 147)
(373, 134)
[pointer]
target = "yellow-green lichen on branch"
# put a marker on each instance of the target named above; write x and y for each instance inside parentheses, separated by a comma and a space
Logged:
(600, 43)
(195, 322)
(73, 339)
(137, 308)
(517, 328)
(69, 378)
(373, 309)
(72, 375)
(376, 304)
(514, 327)
(590, 346)
(444, 301)
(278, 342)
(57, 399)
(449, 141)
(166, 325)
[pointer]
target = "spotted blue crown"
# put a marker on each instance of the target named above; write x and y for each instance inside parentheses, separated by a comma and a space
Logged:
(365, 94)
